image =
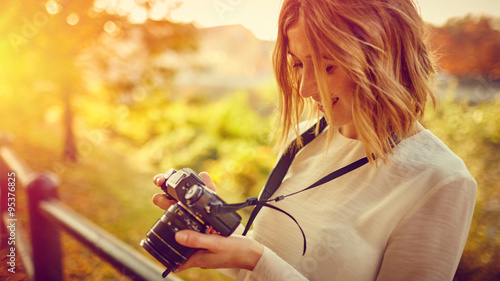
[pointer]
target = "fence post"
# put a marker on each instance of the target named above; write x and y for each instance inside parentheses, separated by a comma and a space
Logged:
(45, 238)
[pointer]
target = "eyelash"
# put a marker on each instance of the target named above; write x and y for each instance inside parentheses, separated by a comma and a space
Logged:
(329, 69)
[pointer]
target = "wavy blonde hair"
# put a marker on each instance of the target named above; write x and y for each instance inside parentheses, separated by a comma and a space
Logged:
(383, 46)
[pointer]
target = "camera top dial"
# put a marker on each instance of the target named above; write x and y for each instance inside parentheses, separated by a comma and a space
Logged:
(193, 195)
(178, 183)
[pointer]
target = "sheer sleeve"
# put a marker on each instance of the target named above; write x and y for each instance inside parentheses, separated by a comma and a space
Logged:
(271, 268)
(428, 242)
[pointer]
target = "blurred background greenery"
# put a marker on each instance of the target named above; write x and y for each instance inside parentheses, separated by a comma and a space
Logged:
(106, 94)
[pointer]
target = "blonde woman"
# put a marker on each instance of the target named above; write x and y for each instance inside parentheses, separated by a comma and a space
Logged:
(365, 66)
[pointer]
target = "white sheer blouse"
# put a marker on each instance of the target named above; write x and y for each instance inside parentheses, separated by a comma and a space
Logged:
(407, 220)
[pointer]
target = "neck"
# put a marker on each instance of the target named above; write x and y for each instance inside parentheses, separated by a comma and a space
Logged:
(416, 128)
(349, 131)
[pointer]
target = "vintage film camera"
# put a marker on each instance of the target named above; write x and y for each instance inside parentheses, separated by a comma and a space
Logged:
(191, 211)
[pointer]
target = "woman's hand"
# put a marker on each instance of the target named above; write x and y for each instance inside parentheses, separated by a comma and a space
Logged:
(215, 251)
(161, 201)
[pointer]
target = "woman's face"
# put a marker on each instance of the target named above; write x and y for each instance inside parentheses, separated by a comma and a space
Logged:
(341, 87)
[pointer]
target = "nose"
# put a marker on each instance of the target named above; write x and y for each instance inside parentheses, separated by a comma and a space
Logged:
(308, 86)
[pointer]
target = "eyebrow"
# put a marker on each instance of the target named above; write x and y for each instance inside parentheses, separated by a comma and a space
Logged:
(310, 57)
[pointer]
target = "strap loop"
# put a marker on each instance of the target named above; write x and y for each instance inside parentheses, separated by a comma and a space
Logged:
(279, 198)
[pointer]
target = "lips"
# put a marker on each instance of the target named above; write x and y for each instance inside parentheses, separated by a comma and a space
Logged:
(334, 101)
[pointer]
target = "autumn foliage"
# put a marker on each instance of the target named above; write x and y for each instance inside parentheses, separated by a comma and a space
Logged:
(468, 47)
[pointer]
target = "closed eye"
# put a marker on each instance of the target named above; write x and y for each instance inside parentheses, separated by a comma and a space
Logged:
(330, 69)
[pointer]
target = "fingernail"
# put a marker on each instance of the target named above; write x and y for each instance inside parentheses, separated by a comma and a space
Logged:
(211, 230)
(180, 237)
(155, 199)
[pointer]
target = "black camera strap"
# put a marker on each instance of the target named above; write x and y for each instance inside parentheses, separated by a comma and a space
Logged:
(276, 177)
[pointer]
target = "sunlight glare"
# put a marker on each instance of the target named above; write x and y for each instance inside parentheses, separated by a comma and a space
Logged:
(159, 12)
(52, 7)
(100, 5)
(53, 114)
(138, 15)
(73, 19)
(111, 28)
(125, 7)
(111, 6)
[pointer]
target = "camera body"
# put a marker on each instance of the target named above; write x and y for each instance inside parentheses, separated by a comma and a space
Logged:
(191, 211)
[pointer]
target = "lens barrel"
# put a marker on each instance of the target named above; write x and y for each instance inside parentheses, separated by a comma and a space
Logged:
(160, 239)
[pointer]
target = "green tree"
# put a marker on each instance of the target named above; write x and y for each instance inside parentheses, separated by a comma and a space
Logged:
(43, 43)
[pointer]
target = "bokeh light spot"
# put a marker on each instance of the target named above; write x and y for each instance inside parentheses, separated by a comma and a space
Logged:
(111, 28)
(73, 19)
(52, 7)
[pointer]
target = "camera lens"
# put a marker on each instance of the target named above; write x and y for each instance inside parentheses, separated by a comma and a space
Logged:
(160, 241)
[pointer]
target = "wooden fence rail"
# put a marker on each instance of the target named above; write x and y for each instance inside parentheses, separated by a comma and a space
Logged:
(48, 215)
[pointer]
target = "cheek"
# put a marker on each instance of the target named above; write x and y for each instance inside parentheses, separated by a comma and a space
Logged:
(341, 88)
(344, 90)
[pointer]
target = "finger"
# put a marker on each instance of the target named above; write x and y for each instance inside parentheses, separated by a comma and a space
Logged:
(159, 179)
(208, 181)
(161, 201)
(206, 246)
(189, 263)
(201, 258)
(193, 239)
(216, 251)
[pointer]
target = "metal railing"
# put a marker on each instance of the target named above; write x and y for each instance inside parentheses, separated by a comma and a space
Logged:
(47, 216)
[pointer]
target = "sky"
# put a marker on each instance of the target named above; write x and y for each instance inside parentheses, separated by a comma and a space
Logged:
(261, 16)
